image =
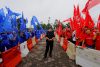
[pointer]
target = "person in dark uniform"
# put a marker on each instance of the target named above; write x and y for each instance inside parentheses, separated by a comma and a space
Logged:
(49, 42)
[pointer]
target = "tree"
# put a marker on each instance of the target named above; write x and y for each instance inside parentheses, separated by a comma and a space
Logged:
(55, 24)
(48, 26)
(38, 27)
(18, 21)
(68, 25)
(44, 26)
(63, 26)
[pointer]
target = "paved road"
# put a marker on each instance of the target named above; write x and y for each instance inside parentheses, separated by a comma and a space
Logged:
(35, 57)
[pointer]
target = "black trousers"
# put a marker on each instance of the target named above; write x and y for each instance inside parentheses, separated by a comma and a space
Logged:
(49, 48)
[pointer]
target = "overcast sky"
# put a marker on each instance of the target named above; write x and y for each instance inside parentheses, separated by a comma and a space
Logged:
(42, 9)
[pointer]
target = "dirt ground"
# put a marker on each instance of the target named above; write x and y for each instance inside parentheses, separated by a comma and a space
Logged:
(35, 57)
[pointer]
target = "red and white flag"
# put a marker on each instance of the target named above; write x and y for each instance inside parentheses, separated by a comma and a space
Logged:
(67, 20)
(98, 23)
(90, 4)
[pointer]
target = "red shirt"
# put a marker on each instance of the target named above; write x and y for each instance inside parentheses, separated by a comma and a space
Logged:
(63, 33)
(68, 34)
(82, 36)
(98, 43)
(89, 39)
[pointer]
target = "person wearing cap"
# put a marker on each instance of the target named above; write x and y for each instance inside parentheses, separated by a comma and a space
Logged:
(49, 42)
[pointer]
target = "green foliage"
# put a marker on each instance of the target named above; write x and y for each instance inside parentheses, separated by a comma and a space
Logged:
(63, 26)
(18, 21)
(48, 26)
(55, 24)
(68, 25)
(44, 26)
(38, 27)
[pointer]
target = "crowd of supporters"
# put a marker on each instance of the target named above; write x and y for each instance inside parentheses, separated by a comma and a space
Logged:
(89, 38)
(11, 39)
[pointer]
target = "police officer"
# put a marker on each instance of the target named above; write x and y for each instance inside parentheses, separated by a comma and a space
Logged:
(49, 42)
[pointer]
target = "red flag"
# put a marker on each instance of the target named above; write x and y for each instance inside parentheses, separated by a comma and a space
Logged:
(93, 3)
(86, 6)
(78, 11)
(76, 22)
(78, 32)
(71, 24)
(76, 17)
(81, 22)
(88, 20)
(75, 11)
(59, 28)
(99, 18)
(67, 20)
(98, 23)
(90, 4)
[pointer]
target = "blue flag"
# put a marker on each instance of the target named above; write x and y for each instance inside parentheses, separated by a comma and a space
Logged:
(7, 26)
(36, 20)
(12, 17)
(13, 21)
(26, 20)
(11, 12)
(22, 23)
(22, 27)
(1, 29)
(38, 32)
(2, 15)
(2, 19)
(33, 23)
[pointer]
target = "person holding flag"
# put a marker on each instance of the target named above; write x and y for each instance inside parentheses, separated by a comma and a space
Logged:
(89, 39)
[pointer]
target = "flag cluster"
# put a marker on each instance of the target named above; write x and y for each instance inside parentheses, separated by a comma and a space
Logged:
(12, 21)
